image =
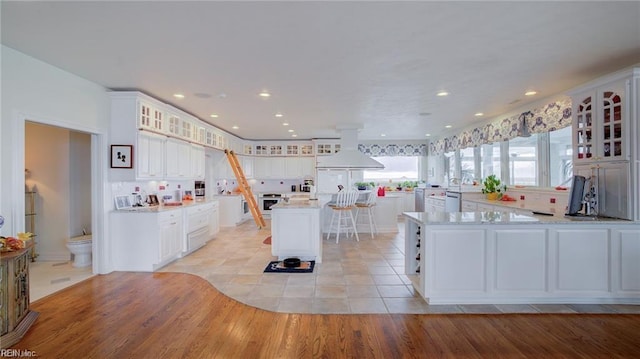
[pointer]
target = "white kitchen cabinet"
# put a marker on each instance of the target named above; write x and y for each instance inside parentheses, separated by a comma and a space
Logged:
(231, 210)
(468, 206)
(214, 221)
(145, 241)
(297, 232)
(247, 166)
(601, 125)
(149, 156)
(197, 162)
(150, 116)
(434, 204)
(178, 159)
(625, 247)
(581, 261)
(613, 187)
(269, 167)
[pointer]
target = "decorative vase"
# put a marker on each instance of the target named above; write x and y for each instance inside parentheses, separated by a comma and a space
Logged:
(492, 196)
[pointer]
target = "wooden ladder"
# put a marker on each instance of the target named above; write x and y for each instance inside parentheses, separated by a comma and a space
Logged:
(245, 189)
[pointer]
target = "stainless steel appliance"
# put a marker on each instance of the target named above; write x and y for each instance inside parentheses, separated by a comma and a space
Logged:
(453, 201)
(266, 200)
(419, 194)
(306, 186)
(199, 188)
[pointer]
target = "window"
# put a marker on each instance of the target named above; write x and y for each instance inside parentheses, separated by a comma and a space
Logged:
(467, 165)
(560, 153)
(396, 168)
(523, 165)
(490, 160)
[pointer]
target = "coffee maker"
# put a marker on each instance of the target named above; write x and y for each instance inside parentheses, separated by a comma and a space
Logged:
(306, 186)
(199, 189)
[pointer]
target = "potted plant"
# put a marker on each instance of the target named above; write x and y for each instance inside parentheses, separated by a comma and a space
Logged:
(493, 187)
(362, 185)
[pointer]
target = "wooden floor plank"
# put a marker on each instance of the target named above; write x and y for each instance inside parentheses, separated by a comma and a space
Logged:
(173, 315)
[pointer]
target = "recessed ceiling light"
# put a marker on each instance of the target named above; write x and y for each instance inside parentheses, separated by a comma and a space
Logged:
(479, 114)
(285, 124)
(383, 135)
(235, 127)
(442, 93)
(294, 135)
(448, 126)
(291, 130)
(213, 115)
(278, 114)
(530, 93)
(427, 134)
(178, 95)
(264, 94)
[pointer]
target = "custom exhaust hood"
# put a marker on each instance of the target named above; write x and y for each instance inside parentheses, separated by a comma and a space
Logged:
(348, 158)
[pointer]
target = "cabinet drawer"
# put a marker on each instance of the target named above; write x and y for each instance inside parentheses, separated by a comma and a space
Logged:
(198, 220)
(168, 215)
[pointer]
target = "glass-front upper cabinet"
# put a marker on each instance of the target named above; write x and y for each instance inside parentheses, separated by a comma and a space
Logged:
(150, 117)
(600, 123)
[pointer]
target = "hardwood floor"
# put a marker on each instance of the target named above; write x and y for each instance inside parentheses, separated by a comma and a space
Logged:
(176, 315)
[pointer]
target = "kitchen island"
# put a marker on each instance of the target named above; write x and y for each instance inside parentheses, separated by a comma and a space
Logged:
(510, 258)
(296, 229)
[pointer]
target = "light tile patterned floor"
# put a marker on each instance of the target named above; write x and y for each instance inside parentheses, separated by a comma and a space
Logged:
(355, 277)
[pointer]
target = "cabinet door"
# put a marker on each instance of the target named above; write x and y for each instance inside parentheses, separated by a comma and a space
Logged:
(614, 190)
(197, 162)
(214, 223)
(178, 159)
(261, 167)
(308, 166)
(149, 156)
(612, 131)
(277, 167)
(293, 168)
(247, 166)
(170, 239)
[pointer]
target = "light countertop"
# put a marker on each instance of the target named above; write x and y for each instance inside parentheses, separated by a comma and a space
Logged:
(163, 208)
(464, 218)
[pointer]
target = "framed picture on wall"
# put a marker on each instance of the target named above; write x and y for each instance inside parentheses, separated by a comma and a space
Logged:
(121, 156)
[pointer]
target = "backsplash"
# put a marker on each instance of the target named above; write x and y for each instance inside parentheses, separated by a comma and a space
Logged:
(159, 188)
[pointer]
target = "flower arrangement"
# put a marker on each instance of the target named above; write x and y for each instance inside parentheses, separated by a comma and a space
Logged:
(493, 187)
(8, 244)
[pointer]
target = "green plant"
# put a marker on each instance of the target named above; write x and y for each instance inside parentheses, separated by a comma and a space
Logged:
(362, 185)
(492, 184)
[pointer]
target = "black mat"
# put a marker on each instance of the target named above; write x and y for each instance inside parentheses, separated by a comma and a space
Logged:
(278, 267)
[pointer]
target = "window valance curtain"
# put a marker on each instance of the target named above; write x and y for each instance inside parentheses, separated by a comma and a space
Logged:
(551, 117)
(391, 149)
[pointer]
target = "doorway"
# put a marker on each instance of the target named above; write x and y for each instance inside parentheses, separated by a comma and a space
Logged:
(58, 203)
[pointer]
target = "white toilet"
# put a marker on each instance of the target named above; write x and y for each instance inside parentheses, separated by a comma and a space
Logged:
(80, 247)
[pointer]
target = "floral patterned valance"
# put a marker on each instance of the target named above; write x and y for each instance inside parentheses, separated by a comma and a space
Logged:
(551, 117)
(404, 149)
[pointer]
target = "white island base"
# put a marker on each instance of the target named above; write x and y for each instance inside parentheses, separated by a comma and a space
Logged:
(296, 230)
(506, 258)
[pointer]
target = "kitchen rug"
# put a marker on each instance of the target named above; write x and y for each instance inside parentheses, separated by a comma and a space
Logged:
(278, 267)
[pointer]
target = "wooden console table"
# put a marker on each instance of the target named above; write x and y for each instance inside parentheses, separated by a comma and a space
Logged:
(15, 316)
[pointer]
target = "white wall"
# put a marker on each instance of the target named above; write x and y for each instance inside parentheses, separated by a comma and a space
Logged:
(52, 155)
(34, 90)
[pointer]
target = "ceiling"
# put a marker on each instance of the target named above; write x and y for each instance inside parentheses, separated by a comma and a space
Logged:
(375, 64)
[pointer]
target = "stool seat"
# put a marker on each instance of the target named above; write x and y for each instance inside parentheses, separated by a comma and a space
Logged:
(367, 208)
(342, 219)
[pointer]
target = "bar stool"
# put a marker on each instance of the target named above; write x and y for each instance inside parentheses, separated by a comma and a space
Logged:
(367, 207)
(343, 213)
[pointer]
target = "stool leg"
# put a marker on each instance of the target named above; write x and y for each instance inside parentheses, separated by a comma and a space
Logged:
(370, 221)
(333, 214)
(353, 222)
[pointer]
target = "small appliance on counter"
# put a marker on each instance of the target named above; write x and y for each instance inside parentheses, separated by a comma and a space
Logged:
(199, 189)
(306, 186)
